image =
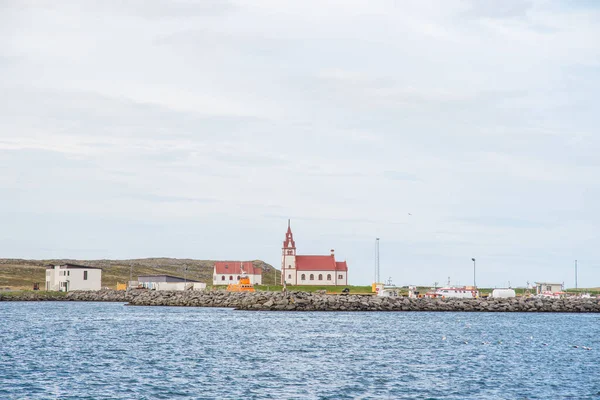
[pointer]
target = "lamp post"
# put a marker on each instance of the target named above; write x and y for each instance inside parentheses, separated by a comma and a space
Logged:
(474, 282)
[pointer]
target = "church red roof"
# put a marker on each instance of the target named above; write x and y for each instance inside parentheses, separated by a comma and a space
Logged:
(319, 263)
(233, 267)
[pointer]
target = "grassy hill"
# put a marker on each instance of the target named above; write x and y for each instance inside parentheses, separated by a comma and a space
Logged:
(22, 274)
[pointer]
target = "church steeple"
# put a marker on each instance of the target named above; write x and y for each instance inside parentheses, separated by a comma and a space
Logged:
(288, 258)
(289, 242)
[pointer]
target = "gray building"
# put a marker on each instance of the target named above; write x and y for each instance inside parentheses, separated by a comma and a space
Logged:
(163, 278)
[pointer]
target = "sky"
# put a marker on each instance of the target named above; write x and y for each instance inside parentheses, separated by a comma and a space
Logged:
(195, 129)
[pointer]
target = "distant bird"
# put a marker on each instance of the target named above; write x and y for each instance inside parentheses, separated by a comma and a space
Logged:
(409, 214)
(576, 347)
(545, 344)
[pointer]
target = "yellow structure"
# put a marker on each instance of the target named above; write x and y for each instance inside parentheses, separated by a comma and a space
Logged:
(121, 286)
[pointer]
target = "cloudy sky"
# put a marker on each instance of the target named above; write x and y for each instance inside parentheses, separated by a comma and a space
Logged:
(450, 129)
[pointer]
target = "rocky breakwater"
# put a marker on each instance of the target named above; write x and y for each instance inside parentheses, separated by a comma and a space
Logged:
(302, 301)
(120, 296)
(100, 295)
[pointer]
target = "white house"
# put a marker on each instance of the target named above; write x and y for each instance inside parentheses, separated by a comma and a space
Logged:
(226, 272)
(310, 270)
(67, 277)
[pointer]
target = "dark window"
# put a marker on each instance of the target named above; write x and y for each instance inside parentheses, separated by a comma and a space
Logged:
(340, 276)
(223, 278)
(230, 277)
(320, 277)
(238, 277)
(85, 275)
(312, 277)
(290, 276)
(302, 277)
(328, 277)
(69, 273)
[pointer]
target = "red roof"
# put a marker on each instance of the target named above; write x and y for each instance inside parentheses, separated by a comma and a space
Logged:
(233, 267)
(319, 263)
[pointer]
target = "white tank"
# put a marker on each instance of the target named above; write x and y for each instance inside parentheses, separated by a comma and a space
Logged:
(503, 293)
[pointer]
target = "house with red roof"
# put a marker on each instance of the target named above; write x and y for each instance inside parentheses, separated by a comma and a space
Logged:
(310, 270)
(227, 272)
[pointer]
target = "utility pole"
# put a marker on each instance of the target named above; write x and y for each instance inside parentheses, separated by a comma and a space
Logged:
(575, 274)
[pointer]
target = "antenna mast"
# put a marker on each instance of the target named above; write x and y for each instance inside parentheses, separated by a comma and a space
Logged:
(376, 260)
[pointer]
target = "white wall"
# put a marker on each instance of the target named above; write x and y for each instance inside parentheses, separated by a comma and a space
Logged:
(324, 281)
(289, 262)
(74, 277)
(255, 279)
(178, 285)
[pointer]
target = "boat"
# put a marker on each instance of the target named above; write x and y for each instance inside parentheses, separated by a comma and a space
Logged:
(465, 292)
(387, 290)
(551, 295)
(243, 285)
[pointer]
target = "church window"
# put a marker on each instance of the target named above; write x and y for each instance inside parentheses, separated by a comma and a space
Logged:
(328, 277)
(340, 276)
(230, 277)
(312, 277)
(303, 277)
(320, 277)
(289, 252)
(290, 276)
(223, 278)
(238, 277)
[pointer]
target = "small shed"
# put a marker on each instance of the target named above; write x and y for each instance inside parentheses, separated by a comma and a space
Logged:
(545, 287)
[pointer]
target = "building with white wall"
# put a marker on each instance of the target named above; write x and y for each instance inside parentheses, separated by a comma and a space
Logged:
(548, 288)
(310, 270)
(167, 282)
(68, 277)
(226, 272)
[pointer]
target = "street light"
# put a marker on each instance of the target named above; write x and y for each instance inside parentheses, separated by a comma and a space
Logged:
(474, 284)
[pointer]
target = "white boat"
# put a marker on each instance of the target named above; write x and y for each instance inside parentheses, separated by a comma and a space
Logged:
(387, 290)
(466, 292)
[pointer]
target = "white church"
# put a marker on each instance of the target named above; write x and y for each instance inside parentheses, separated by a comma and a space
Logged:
(310, 270)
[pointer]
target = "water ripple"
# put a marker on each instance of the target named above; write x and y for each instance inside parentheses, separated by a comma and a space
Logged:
(107, 350)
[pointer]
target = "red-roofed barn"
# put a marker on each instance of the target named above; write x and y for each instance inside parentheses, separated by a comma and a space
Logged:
(310, 270)
(227, 272)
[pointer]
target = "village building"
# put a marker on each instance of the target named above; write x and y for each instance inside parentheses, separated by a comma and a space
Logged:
(548, 288)
(167, 282)
(226, 272)
(308, 269)
(68, 277)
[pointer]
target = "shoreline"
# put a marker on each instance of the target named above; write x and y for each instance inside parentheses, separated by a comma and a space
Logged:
(304, 301)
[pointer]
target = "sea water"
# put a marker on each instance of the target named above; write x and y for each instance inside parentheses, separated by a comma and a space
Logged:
(70, 350)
